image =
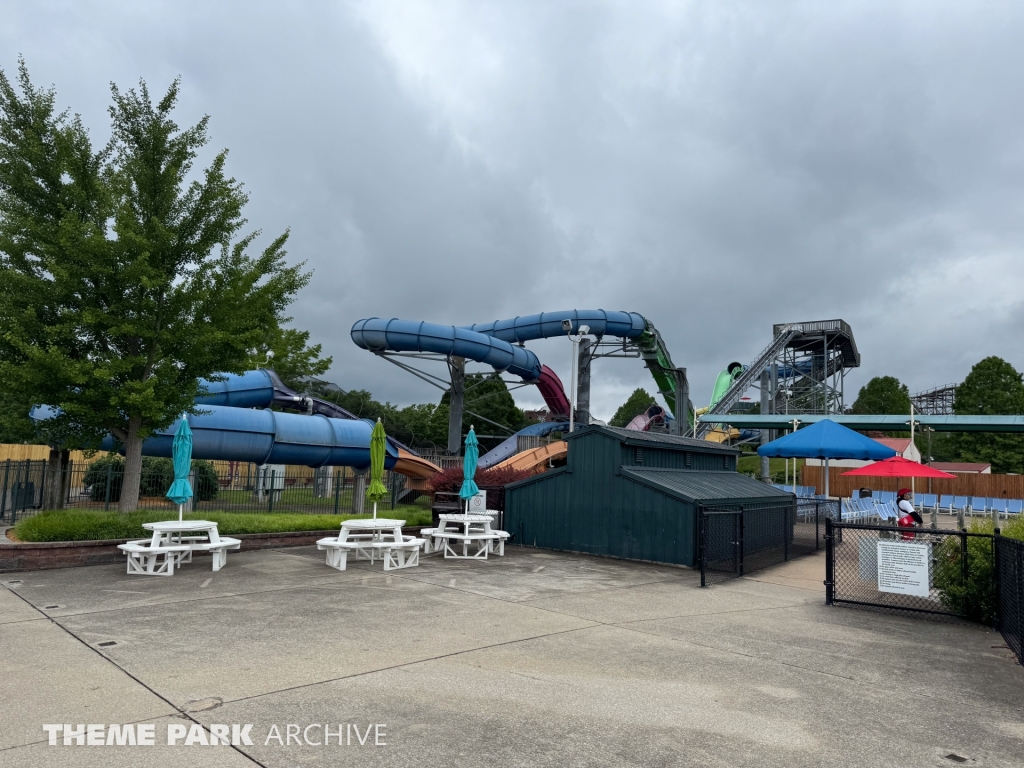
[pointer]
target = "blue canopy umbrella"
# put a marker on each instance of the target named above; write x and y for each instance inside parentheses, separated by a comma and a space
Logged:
(181, 452)
(826, 440)
(469, 489)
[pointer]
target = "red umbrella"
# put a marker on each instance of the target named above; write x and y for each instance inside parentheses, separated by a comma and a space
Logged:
(897, 466)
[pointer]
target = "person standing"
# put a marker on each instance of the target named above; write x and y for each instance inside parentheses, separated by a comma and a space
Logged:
(905, 504)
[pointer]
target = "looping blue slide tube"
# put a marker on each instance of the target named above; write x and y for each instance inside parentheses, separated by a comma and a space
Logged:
(228, 428)
(396, 335)
(270, 437)
(547, 325)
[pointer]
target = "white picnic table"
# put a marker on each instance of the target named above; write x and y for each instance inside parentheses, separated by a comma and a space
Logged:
(467, 529)
(169, 548)
(371, 539)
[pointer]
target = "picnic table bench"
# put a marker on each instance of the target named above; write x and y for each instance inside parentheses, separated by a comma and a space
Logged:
(466, 530)
(373, 539)
(169, 548)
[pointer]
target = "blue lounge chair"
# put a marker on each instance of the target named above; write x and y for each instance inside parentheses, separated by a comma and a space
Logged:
(1014, 506)
(978, 505)
(946, 503)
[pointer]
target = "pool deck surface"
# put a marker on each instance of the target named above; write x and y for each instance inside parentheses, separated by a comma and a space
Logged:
(535, 659)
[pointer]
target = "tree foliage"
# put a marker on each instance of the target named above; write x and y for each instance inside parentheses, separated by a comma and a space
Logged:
(293, 359)
(124, 276)
(487, 396)
(883, 395)
(422, 425)
(637, 403)
(993, 387)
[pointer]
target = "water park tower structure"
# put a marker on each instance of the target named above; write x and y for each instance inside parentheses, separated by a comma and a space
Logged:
(802, 370)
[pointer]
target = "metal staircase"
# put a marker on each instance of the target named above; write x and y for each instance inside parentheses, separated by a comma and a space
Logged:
(750, 375)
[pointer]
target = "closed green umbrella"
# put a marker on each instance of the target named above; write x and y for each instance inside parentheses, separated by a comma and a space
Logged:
(469, 489)
(378, 449)
(181, 451)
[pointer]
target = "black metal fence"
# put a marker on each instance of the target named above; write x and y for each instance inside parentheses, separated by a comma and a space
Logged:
(26, 487)
(910, 571)
(943, 574)
(1010, 599)
(736, 540)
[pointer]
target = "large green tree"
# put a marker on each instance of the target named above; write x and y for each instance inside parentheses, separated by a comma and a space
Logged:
(123, 274)
(993, 387)
(423, 425)
(487, 403)
(883, 395)
(292, 358)
(637, 403)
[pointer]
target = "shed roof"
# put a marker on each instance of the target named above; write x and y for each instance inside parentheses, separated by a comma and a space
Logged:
(898, 444)
(691, 485)
(659, 439)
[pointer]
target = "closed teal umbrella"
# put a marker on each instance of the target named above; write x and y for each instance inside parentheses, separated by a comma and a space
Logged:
(469, 489)
(378, 448)
(181, 452)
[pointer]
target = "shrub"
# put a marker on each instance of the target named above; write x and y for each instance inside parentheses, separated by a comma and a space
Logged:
(157, 476)
(450, 480)
(977, 598)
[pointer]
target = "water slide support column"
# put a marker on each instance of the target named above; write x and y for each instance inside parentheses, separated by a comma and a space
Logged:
(457, 367)
(583, 386)
(765, 436)
(679, 425)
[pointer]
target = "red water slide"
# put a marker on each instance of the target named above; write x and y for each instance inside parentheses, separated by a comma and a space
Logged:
(553, 392)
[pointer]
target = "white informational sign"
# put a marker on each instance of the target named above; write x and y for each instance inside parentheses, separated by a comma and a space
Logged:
(903, 567)
(478, 503)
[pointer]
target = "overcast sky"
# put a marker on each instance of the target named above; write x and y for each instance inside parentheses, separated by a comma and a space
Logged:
(717, 167)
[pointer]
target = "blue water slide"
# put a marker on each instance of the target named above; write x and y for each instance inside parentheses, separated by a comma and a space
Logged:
(510, 447)
(378, 335)
(252, 389)
(271, 437)
(549, 324)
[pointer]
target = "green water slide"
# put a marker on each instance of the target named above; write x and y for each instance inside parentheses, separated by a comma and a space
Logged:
(724, 383)
(659, 362)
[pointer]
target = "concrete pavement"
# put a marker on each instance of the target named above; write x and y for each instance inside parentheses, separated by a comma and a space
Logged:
(538, 658)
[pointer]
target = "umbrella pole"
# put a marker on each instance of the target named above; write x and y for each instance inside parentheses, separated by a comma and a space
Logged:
(826, 478)
(375, 510)
(180, 513)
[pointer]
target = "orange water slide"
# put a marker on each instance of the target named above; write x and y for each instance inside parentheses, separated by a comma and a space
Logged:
(418, 470)
(536, 461)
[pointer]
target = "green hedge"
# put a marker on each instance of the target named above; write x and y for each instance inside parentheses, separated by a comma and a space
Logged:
(92, 525)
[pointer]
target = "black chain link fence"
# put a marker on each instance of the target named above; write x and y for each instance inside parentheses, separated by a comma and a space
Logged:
(953, 575)
(736, 539)
(910, 571)
(1010, 605)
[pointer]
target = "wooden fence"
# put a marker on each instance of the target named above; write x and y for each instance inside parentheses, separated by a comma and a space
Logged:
(20, 452)
(991, 486)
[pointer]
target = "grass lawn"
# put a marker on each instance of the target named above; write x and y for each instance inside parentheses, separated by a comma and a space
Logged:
(90, 525)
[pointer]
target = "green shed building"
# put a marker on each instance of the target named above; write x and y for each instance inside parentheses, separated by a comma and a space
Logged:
(632, 495)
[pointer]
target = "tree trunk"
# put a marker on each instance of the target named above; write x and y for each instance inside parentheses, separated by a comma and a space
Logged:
(132, 467)
(56, 481)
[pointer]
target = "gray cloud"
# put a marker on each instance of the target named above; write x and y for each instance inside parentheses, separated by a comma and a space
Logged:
(718, 167)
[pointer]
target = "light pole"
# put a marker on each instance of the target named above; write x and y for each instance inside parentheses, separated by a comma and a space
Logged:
(582, 331)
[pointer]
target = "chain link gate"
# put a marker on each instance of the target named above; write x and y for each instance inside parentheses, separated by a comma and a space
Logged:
(735, 540)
